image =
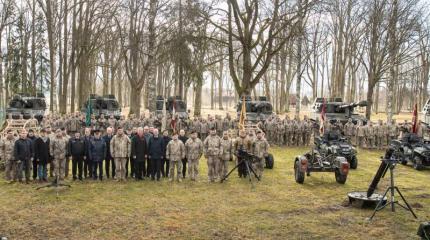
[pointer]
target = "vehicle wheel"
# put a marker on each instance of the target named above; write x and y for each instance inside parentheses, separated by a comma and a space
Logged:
(269, 161)
(353, 162)
(298, 175)
(339, 177)
(417, 164)
(404, 161)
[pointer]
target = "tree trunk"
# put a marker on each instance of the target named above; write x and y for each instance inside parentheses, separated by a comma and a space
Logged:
(212, 91)
(220, 85)
(198, 97)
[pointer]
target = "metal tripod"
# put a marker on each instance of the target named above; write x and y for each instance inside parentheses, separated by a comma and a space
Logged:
(392, 189)
(249, 169)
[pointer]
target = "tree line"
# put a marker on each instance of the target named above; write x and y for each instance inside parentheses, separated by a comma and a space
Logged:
(138, 49)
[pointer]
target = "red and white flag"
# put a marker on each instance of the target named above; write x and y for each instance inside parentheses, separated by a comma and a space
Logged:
(322, 117)
(415, 119)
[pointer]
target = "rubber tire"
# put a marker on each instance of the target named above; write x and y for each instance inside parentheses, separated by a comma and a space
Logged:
(353, 162)
(298, 175)
(269, 161)
(404, 162)
(340, 178)
(417, 166)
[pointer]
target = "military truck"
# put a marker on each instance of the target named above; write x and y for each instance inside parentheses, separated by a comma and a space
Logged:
(27, 105)
(106, 105)
(256, 109)
(337, 109)
(175, 104)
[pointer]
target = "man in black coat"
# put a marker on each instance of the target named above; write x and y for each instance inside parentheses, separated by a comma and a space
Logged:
(32, 138)
(23, 153)
(165, 163)
(97, 154)
(139, 153)
(41, 155)
(88, 166)
(147, 134)
(78, 150)
(184, 139)
(109, 159)
(156, 151)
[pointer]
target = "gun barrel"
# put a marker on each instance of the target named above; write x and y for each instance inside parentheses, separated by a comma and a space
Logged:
(380, 173)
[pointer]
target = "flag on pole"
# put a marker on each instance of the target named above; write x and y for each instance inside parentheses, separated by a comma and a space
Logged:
(164, 123)
(415, 119)
(89, 111)
(173, 122)
(242, 117)
(322, 117)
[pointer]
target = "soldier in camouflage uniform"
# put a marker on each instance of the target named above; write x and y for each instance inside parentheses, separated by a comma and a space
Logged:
(296, 132)
(227, 154)
(307, 131)
(73, 125)
(194, 151)
(219, 127)
(349, 130)
(175, 152)
(120, 149)
(212, 149)
(393, 131)
(288, 132)
(6, 154)
(280, 133)
(379, 135)
(204, 129)
(360, 134)
(58, 150)
(112, 123)
(370, 135)
(226, 123)
(244, 143)
(260, 148)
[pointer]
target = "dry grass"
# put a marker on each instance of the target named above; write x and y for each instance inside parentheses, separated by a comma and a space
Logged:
(277, 208)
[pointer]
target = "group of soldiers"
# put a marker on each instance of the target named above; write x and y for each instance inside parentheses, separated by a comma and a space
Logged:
(115, 148)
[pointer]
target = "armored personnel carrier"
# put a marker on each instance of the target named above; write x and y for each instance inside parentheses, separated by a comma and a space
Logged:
(337, 109)
(256, 109)
(173, 104)
(106, 105)
(27, 105)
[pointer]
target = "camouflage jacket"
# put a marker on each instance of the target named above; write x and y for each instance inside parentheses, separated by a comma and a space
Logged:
(227, 149)
(120, 146)
(212, 146)
(260, 147)
(58, 148)
(349, 129)
(193, 148)
(175, 150)
(6, 149)
(244, 143)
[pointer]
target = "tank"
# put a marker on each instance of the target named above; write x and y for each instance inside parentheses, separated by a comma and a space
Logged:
(106, 105)
(171, 102)
(258, 109)
(337, 109)
(27, 105)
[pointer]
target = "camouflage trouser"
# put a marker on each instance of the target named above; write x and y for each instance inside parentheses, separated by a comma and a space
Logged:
(8, 170)
(360, 141)
(59, 167)
(287, 139)
(291, 140)
(193, 168)
(223, 168)
(178, 166)
(297, 139)
(280, 139)
(258, 167)
(213, 164)
(370, 142)
(380, 142)
(120, 165)
(349, 138)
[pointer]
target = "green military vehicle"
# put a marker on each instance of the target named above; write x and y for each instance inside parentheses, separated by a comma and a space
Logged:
(257, 110)
(103, 105)
(336, 109)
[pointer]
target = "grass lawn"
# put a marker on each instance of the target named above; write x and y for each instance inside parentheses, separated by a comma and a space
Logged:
(277, 208)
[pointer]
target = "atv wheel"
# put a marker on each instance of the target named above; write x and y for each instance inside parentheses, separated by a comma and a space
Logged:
(298, 175)
(404, 161)
(353, 162)
(269, 161)
(417, 163)
(340, 178)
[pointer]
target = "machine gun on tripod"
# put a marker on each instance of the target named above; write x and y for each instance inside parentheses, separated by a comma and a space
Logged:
(244, 165)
